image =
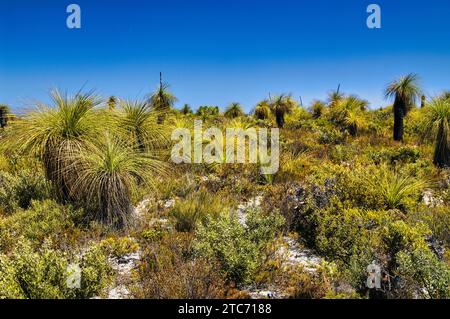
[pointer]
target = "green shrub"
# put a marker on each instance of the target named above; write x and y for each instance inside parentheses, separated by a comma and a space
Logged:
(119, 247)
(423, 274)
(9, 286)
(43, 220)
(96, 272)
(399, 236)
(332, 136)
(18, 191)
(404, 154)
(43, 273)
(40, 274)
(239, 249)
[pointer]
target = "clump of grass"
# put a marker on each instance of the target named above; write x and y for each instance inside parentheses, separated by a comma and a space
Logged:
(396, 187)
(196, 208)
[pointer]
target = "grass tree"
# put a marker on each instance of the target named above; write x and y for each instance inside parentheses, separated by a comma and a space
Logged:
(405, 92)
(436, 122)
(186, 109)
(280, 106)
(317, 108)
(162, 100)
(55, 133)
(233, 110)
(109, 172)
(94, 158)
(112, 103)
(138, 121)
(335, 97)
(351, 114)
(4, 111)
(262, 110)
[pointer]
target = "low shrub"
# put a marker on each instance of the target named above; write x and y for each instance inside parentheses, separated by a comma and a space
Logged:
(43, 273)
(238, 248)
(169, 270)
(423, 275)
(43, 220)
(119, 247)
(18, 191)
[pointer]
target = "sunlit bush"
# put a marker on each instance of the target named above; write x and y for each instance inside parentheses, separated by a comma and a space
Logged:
(238, 248)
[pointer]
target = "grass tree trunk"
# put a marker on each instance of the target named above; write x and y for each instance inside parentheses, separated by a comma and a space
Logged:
(3, 118)
(280, 119)
(442, 149)
(399, 115)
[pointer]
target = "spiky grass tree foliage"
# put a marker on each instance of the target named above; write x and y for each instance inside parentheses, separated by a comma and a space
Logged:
(162, 99)
(206, 112)
(55, 135)
(112, 103)
(334, 98)
(317, 109)
(233, 110)
(262, 110)
(405, 92)
(280, 106)
(350, 114)
(139, 122)
(436, 123)
(109, 172)
(186, 109)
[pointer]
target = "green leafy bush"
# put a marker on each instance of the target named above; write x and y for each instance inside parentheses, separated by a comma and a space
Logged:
(18, 191)
(404, 154)
(43, 273)
(238, 248)
(423, 275)
(43, 220)
(332, 136)
(119, 247)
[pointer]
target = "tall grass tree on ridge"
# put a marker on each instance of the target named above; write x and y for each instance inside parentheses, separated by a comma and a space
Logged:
(55, 134)
(350, 114)
(112, 103)
(186, 109)
(162, 100)
(233, 110)
(335, 97)
(317, 108)
(437, 123)
(405, 92)
(4, 111)
(280, 106)
(262, 110)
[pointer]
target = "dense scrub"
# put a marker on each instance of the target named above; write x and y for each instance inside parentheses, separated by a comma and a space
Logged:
(345, 190)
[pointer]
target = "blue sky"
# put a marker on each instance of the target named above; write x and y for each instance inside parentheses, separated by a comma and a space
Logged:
(213, 52)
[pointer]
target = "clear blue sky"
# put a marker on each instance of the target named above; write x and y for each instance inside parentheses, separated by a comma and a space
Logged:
(213, 52)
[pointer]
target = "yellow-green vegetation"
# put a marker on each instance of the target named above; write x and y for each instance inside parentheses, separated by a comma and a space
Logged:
(89, 181)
